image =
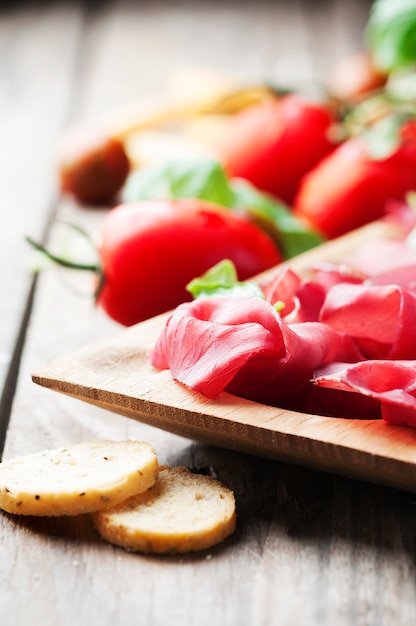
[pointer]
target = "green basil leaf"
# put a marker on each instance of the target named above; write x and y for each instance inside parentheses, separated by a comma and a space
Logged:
(391, 33)
(291, 235)
(222, 280)
(202, 178)
(205, 178)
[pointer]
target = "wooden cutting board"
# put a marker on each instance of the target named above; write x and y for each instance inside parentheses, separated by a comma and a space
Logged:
(115, 374)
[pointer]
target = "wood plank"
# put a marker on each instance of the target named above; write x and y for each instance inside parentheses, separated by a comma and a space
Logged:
(34, 89)
(310, 548)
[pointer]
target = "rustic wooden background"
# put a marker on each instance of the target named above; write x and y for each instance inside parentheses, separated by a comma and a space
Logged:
(310, 549)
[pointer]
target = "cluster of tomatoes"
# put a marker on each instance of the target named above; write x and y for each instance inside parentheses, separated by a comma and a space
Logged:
(285, 147)
(335, 173)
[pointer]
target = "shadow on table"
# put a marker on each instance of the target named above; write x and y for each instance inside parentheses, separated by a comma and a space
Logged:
(277, 499)
(275, 502)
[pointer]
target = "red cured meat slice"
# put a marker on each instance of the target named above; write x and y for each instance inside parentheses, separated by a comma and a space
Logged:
(328, 274)
(382, 255)
(241, 344)
(381, 318)
(303, 298)
(283, 288)
(361, 311)
(308, 345)
(393, 383)
(207, 341)
(349, 330)
(404, 277)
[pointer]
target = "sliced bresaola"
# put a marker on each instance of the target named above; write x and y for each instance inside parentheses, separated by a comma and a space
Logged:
(317, 400)
(207, 341)
(284, 288)
(243, 346)
(303, 297)
(391, 382)
(382, 318)
(382, 255)
(308, 345)
(404, 277)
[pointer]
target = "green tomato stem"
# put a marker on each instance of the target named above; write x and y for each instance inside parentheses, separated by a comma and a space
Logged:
(73, 265)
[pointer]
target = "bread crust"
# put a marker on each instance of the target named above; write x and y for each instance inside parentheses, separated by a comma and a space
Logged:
(182, 512)
(77, 479)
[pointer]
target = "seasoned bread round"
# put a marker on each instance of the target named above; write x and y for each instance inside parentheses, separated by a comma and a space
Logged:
(182, 512)
(82, 478)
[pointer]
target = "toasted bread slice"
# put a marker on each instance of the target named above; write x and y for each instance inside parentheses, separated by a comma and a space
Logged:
(82, 478)
(182, 512)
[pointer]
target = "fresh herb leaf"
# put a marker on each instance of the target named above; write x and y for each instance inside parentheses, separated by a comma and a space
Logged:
(205, 179)
(202, 178)
(222, 280)
(291, 235)
(391, 33)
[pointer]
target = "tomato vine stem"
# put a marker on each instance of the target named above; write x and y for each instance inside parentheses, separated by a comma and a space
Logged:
(69, 264)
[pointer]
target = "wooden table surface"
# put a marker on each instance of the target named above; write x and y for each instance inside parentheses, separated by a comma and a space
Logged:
(310, 548)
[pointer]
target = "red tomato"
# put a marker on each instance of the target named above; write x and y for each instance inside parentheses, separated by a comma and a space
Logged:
(151, 250)
(92, 167)
(349, 189)
(275, 143)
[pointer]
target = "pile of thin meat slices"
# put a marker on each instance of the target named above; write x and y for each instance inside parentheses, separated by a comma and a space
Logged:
(343, 344)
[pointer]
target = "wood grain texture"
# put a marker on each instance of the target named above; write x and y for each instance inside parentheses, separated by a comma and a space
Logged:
(311, 548)
(34, 94)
